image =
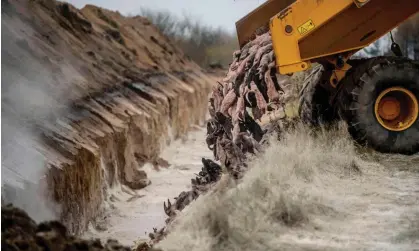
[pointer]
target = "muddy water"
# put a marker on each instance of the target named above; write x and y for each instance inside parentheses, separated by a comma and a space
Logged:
(132, 215)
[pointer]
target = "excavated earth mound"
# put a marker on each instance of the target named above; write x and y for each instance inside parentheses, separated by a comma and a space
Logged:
(91, 95)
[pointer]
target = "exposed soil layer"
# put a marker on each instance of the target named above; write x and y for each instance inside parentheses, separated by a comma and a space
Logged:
(20, 232)
(98, 94)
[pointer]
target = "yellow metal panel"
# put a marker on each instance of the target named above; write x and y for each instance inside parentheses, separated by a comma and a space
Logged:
(309, 30)
(356, 28)
(303, 13)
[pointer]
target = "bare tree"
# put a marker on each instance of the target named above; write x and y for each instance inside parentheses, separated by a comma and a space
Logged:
(202, 43)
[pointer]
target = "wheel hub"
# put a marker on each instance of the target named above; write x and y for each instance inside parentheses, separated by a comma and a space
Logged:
(396, 108)
(389, 108)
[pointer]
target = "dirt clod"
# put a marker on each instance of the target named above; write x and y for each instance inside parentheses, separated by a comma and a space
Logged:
(138, 180)
(19, 232)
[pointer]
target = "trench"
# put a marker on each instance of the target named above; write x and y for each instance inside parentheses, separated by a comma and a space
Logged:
(95, 153)
(132, 215)
(88, 98)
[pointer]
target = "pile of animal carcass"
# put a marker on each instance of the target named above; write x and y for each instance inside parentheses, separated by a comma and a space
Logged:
(242, 106)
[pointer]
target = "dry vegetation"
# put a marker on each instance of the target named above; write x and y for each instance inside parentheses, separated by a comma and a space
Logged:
(307, 191)
(204, 44)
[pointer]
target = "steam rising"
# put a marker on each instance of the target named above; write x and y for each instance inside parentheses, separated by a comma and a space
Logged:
(30, 100)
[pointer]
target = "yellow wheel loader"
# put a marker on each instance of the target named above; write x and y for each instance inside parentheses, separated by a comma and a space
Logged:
(377, 97)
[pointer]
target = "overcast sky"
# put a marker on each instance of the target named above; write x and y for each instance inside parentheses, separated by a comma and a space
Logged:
(213, 12)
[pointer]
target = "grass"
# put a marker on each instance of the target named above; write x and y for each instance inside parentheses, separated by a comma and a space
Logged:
(282, 191)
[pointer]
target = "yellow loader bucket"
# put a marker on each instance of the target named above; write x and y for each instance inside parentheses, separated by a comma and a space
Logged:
(258, 18)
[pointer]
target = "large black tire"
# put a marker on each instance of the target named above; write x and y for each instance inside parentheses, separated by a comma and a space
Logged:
(356, 99)
(314, 108)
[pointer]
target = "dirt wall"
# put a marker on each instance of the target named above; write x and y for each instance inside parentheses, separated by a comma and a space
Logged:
(100, 94)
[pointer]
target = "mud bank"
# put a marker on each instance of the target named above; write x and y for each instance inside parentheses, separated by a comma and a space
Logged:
(96, 95)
